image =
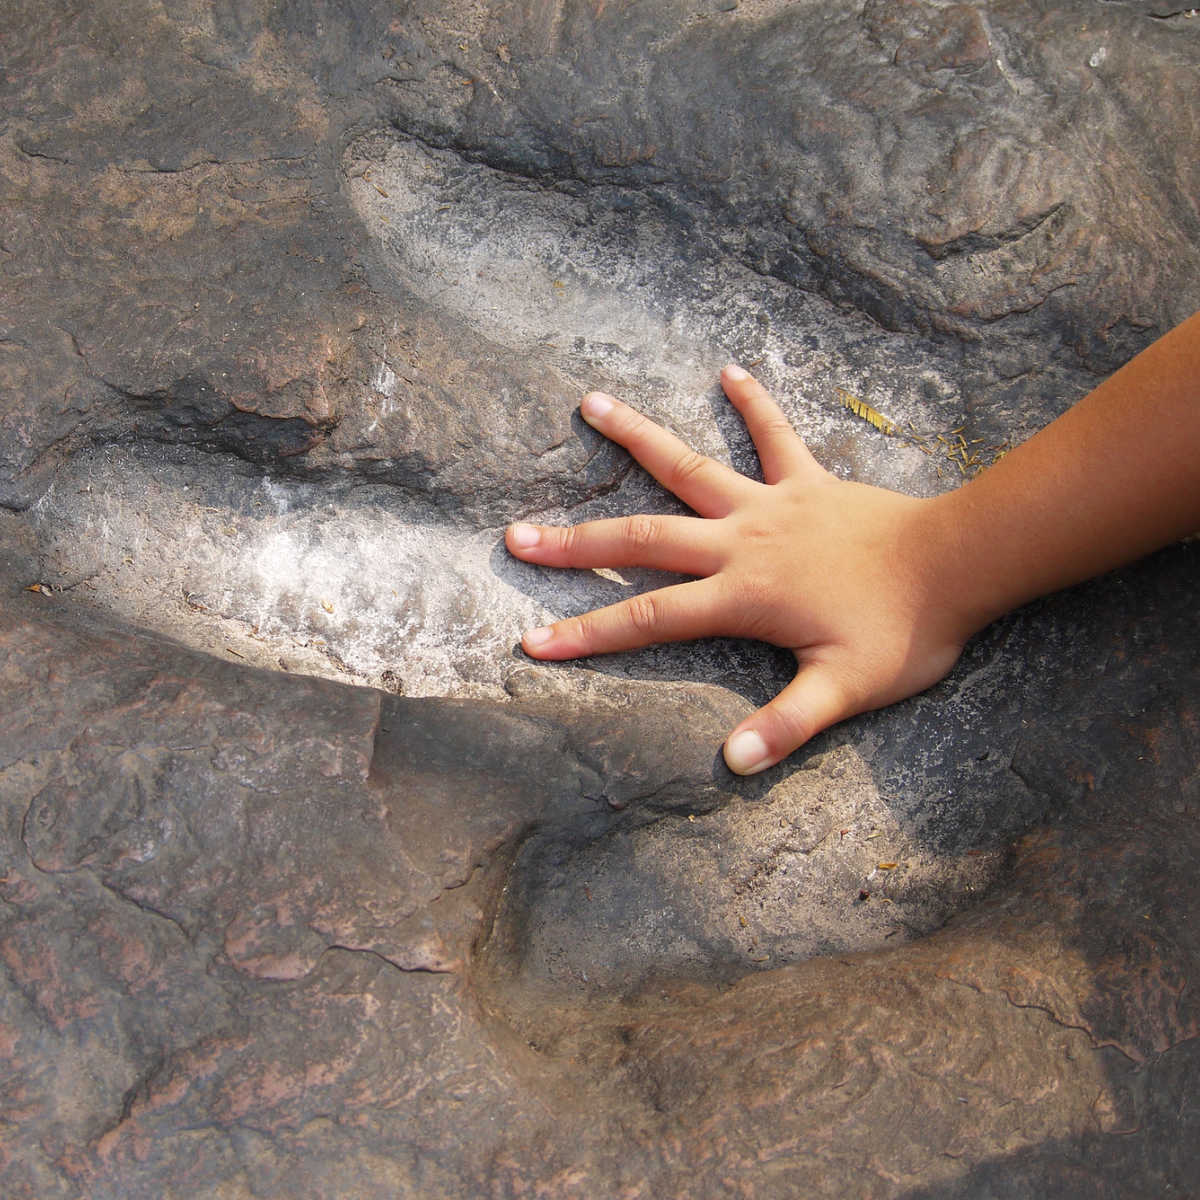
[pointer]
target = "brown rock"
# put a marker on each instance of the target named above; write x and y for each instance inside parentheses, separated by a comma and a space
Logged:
(297, 305)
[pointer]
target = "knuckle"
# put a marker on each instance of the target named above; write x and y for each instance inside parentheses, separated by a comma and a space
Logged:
(778, 426)
(686, 467)
(754, 602)
(828, 697)
(581, 629)
(641, 531)
(635, 423)
(793, 722)
(643, 612)
(569, 540)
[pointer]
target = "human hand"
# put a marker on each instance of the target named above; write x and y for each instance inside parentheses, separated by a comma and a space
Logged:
(850, 578)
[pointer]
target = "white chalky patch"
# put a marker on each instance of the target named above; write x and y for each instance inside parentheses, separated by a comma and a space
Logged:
(338, 583)
(605, 280)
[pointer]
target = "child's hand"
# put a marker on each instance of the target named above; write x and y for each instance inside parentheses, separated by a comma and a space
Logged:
(850, 578)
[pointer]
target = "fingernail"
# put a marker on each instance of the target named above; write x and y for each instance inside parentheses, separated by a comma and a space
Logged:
(538, 637)
(735, 374)
(523, 536)
(595, 405)
(746, 753)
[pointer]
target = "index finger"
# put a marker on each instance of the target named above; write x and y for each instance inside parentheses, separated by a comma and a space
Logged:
(705, 485)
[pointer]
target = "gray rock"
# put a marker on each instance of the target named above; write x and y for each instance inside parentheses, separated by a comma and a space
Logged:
(311, 883)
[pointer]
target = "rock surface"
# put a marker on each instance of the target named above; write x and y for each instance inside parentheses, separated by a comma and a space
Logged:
(311, 885)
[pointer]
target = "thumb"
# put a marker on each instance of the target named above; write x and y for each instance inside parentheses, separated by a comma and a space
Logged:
(811, 702)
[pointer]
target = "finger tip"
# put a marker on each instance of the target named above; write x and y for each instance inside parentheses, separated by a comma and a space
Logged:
(734, 373)
(520, 537)
(596, 405)
(536, 642)
(746, 753)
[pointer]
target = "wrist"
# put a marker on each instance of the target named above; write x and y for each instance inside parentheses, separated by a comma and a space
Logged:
(968, 583)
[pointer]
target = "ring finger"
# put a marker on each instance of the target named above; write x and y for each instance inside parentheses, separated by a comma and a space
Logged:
(671, 614)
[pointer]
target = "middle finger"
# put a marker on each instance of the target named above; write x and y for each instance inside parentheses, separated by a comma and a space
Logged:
(686, 545)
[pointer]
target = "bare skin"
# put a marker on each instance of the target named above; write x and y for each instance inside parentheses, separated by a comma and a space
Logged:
(874, 592)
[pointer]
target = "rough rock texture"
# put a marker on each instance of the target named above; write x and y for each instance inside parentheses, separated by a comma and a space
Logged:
(310, 885)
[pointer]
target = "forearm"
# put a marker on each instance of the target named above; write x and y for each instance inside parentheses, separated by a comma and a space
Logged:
(1114, 478)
